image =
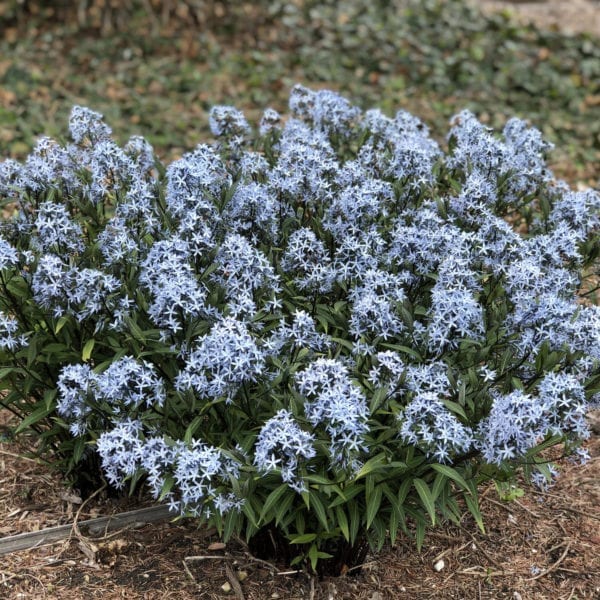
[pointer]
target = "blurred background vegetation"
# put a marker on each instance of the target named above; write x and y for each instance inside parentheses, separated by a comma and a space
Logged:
(155, 67)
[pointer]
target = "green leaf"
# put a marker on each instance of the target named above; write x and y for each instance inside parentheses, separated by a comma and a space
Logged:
(344, 343)
(378, 397)
(381, 532)
(319, 509)
(313, 556)
(355, 520)
(192, 428)
(440, 482)
(420, 534)
(250, 514)
(393, 526)
(342, 522)
(404, 349)
(167, 486)
(451, 473)
(6, 371)
(78, 449)
(32, 350)
(396, 515)
(39, 414)
(345, 495)
(472, 500)
(272, 499)
(135, 330)
(426, 498)
(86, 353)
(371, 465)
(61, 323)
(455, 407)
(283, 512)
(232, 523)
(373, 504)
(404, 489)
(305, 538)
(312, 478)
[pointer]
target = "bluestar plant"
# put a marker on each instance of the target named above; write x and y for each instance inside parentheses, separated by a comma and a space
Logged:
(331, 327)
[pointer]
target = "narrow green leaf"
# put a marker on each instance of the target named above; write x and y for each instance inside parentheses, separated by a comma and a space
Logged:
(135, 330)
(39, 414)
(61, 323)
(299, 522)
(305, 538)
(272, 499)
(6, 371)
(451, 473)
(371, 465)
(345, 495)
(283, 512)
(381, 532)
(306, 498)
(455, 407)
(232, 521)
(404, 349)
(439, 483)
(342, 342)
(472, 500)
(88, 348)
(342, 521)
(426, 498)
(250, 514)
(373, 504)
(167, 486)
(32, 350)
(313, 555)
(192, 428)
(355, 520)
(78, 450)
(404, 489)
(319, 509)
(317, 479)
(393, 526)
(420, 534)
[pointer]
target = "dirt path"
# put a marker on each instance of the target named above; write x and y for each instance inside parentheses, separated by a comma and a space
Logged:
(568, 16)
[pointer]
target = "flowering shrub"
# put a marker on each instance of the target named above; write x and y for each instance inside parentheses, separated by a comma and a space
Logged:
(334, 328)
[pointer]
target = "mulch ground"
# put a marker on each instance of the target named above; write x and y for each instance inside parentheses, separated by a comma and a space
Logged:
(541, 546)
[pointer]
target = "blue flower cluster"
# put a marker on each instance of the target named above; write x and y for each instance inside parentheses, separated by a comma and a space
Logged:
(126, 385)
(70, 290)
(298, 301)
(199, 471)
(337, 403)
(222, 361)
(281, 445)
(11, 338)
(429, 426)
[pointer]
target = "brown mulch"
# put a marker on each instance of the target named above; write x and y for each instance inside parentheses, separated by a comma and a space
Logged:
(541, 546)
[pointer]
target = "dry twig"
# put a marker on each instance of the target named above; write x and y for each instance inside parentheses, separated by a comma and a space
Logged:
(553, 566)
(233, 580)
(449, 550)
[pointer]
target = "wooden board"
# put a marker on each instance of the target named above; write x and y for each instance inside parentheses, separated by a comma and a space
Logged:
(97, 526)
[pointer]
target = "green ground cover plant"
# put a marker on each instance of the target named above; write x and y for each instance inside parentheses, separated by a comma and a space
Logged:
(433, 58)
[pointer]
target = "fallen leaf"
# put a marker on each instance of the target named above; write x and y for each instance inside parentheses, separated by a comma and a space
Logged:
(217, 546)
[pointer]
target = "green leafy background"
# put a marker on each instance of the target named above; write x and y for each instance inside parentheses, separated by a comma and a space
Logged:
(156, 67)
